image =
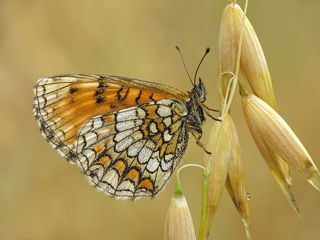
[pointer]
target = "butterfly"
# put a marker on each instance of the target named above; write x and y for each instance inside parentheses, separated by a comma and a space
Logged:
(126, 135)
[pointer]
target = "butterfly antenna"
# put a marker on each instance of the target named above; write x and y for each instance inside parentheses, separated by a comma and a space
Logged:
(204, 55)
(184, 64)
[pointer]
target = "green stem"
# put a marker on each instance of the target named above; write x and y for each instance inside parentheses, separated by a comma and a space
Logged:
(203, 228)
(178, 189)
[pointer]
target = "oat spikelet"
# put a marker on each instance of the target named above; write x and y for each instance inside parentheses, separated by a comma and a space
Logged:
(235, 183)
(179, 224)
(276, 139)
(218, 163)
(253, 62)
(225, 169)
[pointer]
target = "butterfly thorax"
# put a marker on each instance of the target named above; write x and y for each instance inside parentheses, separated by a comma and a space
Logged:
(196, 116)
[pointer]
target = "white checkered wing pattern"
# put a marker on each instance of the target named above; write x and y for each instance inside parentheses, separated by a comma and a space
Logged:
(133, 152)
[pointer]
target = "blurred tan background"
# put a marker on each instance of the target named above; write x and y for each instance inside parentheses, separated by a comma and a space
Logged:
(43, 197)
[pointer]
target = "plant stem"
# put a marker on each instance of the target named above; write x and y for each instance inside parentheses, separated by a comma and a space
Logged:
(203, 228)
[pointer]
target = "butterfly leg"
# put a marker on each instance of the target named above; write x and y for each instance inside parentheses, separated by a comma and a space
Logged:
(214, 118)
(210, 109)
(198, 136)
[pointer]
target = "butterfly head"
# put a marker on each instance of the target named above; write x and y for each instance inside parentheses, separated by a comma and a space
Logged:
(199, 91)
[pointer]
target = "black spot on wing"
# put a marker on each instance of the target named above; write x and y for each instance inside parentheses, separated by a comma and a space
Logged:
(151, 97)
(99, 92)
(138, 97)
(100, 99)
(120, 92)
(72, 90)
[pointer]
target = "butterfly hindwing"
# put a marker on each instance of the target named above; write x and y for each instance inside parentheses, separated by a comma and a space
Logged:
(133, 152)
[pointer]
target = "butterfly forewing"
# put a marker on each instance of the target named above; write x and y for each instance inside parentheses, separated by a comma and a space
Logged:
(126, 135)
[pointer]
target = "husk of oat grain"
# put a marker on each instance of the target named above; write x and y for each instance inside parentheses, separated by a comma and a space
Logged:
(276, 140)
(179, 224)
(253, 63)
(235, 182)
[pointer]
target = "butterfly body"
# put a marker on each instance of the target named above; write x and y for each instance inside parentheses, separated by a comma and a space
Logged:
(126, 135)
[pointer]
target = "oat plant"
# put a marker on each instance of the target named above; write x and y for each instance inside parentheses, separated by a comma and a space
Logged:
(239, 50)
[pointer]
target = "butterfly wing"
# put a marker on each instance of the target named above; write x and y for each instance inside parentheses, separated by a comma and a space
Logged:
(126, 135)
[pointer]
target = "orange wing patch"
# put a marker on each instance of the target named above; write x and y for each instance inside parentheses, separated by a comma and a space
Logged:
(105, 161)
(120, 166)
(146, 184)
(133, 175)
